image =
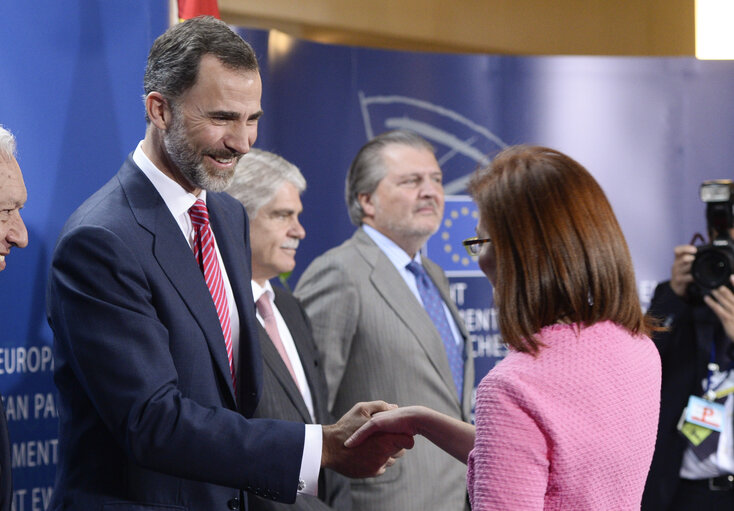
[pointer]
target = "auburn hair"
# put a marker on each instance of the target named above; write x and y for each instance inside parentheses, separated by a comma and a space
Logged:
(560, 253)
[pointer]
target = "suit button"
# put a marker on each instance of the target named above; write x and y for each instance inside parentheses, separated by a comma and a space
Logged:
(233, 504)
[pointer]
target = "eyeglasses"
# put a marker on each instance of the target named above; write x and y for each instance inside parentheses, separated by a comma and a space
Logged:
(474, 245)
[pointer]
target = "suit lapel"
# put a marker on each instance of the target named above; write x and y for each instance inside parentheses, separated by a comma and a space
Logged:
(390, 285)
(232, 239)
(177, 261)
(275, 363)
(294, 317)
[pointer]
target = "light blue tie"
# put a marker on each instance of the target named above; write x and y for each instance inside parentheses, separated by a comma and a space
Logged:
(433, 304)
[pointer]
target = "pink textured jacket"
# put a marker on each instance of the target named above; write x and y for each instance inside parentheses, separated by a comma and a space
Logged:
(573, 429)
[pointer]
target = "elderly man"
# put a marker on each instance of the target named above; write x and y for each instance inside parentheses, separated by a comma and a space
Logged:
(294, 387)
(157, 361)
(12, 234)
(383, 320)
(12, 198)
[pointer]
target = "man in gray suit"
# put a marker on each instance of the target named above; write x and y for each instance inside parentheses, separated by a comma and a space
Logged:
(294, 387)
(383, 320)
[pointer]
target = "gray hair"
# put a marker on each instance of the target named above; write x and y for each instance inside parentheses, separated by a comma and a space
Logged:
(7, 144)
(368, 167)
(173, 61)
(259, 175)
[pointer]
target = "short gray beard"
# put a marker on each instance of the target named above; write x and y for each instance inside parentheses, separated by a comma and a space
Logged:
(189, 162)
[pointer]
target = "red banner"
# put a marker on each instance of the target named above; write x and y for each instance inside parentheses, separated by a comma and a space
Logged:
(188, 9)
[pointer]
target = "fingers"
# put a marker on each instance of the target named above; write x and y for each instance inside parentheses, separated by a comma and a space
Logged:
(398, 455)
(721, 302)
(392, 460)
(371, 407)
(361, 434)
(681, 271)
(683, 250)
(401, 442)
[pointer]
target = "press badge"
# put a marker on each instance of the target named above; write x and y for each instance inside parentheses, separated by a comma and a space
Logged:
(705, 413)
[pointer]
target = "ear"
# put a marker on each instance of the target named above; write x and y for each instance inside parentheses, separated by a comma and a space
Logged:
(365, 200)
(158, 110)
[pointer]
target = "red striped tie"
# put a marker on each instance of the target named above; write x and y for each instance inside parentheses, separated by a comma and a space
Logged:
(206, 256)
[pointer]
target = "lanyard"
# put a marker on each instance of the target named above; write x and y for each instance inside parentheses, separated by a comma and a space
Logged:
(711, 394)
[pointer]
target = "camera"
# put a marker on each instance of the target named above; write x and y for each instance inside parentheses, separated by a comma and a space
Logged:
(714, 263)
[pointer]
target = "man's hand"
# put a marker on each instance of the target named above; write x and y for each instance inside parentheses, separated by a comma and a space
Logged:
(404, 421)
(373, 456)
(721, 302)
(680, 275)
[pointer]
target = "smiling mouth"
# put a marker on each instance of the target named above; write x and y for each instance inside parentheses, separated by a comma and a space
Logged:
(227, 159)
(223, 161)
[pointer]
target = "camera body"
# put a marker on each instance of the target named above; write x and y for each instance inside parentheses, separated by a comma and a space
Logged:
(714, 262)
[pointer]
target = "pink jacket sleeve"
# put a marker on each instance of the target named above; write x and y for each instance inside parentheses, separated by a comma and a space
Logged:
(508, 468)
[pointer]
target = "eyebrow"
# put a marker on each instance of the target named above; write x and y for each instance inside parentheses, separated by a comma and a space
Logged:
(233, 116)
(284, 211)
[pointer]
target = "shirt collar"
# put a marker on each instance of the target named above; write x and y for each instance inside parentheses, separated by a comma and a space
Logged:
(258, 290)
(397, 256)
(176, 198)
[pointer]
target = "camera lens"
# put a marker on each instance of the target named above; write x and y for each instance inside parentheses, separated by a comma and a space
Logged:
(713, 266)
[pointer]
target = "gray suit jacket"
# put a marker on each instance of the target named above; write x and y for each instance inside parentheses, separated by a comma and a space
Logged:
(376, 341)
(281, 399)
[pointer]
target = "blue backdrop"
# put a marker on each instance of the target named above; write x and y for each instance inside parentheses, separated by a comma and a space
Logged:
(649, 129)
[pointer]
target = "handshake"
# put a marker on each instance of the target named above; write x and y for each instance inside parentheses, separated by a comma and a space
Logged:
(372, 452)
(371, 436)
(379, 433)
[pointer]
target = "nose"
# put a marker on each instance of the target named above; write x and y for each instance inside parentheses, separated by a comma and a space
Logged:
(17, 234)
(241, 137)
(431, 188)
(297, 230)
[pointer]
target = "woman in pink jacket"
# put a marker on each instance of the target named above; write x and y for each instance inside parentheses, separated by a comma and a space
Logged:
(567, 421)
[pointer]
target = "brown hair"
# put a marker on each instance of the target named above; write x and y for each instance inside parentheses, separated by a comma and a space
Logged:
(560, 253)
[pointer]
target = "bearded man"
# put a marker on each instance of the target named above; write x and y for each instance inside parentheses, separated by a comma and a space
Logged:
(156, 352)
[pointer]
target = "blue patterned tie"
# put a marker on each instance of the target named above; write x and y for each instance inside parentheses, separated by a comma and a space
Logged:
(433, 304)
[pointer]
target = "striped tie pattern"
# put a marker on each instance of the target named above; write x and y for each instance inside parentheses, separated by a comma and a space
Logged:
(206, 256)
(433, 303)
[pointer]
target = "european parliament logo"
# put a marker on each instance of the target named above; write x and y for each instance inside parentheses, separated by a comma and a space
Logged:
(444, 248)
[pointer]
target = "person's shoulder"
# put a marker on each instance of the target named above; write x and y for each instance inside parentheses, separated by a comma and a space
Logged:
(283, 295)
(507, 371)
(341, 256)
(225, 201)
(107, 207)
(433, 269)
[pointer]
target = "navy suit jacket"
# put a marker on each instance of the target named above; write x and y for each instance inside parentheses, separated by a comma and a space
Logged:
(148, 416)
(281, 399)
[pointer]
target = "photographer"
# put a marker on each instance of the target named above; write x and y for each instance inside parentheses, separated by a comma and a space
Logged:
(693, 462)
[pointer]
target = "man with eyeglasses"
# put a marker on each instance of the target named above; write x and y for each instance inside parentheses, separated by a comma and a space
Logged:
(383, 320)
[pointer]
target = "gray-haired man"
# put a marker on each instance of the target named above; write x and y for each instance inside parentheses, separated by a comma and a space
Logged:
(376, 336)
(294, 387)
(12, 234)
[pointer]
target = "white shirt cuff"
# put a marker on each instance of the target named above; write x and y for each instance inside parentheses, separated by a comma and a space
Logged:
(308, 479)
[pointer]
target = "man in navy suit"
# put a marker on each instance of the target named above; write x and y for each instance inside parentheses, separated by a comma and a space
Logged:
(294, 385)
(145, 360)
(12, 234)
